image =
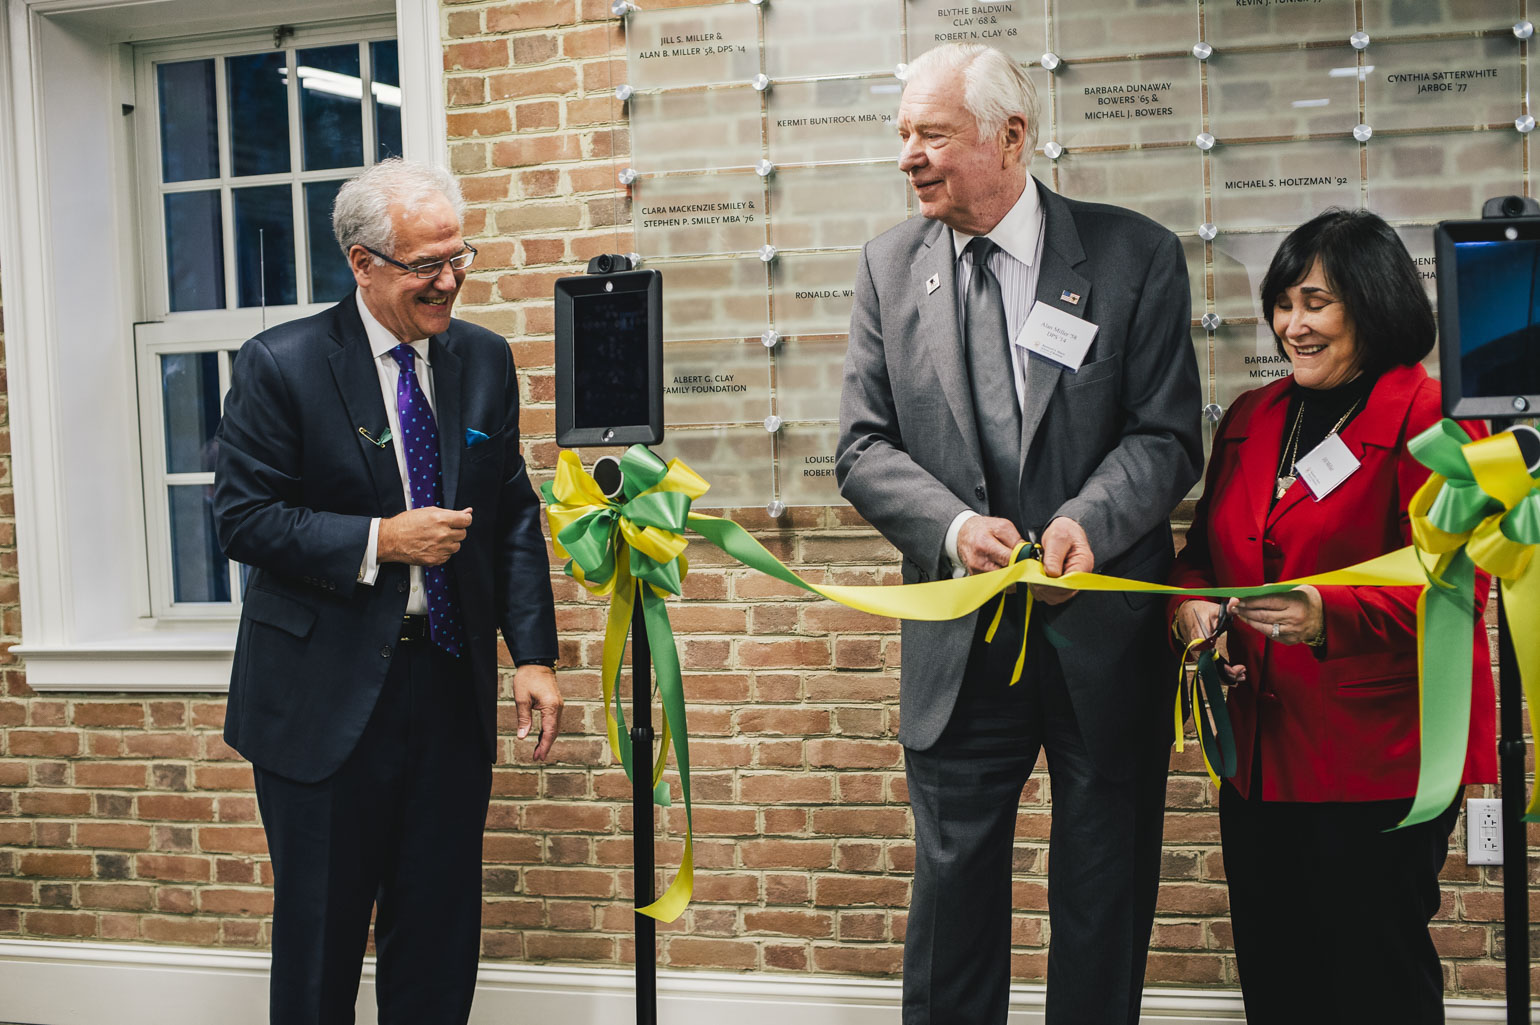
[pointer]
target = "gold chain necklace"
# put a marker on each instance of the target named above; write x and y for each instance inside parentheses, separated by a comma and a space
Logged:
(1291, 447)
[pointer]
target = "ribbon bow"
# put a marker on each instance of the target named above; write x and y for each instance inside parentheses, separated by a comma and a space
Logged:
(646, 520)
(1479, 508)
(614, 547)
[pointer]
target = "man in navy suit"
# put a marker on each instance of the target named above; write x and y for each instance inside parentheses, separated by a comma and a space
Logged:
(369, 473)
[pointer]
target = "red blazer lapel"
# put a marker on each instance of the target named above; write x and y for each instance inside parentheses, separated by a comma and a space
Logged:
(1378, 425)
(1263, 423)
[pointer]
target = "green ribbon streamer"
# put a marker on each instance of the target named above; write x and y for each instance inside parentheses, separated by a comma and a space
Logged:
(1449, 623)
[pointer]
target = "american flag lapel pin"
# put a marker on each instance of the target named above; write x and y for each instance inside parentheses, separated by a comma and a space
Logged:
(1073, 298)
(932, 283)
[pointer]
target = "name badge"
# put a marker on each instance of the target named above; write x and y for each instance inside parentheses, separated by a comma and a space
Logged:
(1058, 336)
(1325, 466)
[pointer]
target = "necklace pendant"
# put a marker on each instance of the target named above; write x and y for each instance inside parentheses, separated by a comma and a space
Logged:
(1284, 484)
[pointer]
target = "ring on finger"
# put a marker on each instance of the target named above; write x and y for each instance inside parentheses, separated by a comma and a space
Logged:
(1275, 631)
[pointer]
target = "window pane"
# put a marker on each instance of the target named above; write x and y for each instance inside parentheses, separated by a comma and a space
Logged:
(189, 131)
(259, 113)
(264, 245)
(387, 99)
(189, 383)
(330, 278)
(330, 104)
(199, 571)
(195, 251)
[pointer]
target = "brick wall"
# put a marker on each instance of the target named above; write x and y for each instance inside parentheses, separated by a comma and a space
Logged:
(127, 818)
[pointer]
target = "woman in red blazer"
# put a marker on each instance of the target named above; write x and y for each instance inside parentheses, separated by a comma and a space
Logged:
(1330, 912)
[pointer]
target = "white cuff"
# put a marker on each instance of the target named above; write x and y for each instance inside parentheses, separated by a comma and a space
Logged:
(371, 565)
(958, 569)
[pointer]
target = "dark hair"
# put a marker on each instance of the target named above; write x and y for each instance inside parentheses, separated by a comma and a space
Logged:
(1369, 269)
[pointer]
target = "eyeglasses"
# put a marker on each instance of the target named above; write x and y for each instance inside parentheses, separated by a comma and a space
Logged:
(434, 269)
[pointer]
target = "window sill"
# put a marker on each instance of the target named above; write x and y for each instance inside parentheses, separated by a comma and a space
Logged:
(182, 662)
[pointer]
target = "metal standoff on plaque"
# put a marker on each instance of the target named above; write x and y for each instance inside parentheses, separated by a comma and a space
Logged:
(767, 252)
(764, 168)
(776, 508)
(624, 92)
(773, 423)
(621, 8)
(1360, 40)
(1052, 150)
(1212, 412)
(901, 72)
(1050, 61)
(1202, 51)
(1524, 29)
(771, 338)
(1211, 321)
(1204, 141)
(1362, 133)
(1525, 123)
(627, 176)
(760, 82)
(1208, 232)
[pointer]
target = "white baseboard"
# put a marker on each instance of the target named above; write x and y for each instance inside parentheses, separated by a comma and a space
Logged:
(51, 983)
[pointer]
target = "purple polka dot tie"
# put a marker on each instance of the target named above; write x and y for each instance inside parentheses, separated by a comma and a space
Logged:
(419, 437)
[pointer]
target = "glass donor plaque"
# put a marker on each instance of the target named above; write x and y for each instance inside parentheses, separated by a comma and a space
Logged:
(805, 470)
(1270, 95)
(808, 38)
(840, 119)
(1461, 83)
(1283, 183)
(1230, 23)
(719, 382)
(695, 130)
(693, 215)
(1433, 177)
(1123, 102)
(838, 206)
(692, 46)
(1017, 27)
(1106, 28)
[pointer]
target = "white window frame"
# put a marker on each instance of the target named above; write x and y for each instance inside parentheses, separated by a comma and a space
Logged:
(214, 330)
(70, 245)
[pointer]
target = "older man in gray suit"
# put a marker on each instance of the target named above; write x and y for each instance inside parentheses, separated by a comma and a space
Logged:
(1020, 366)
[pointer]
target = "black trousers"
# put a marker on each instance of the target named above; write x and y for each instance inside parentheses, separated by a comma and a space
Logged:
(1331, 912)
(1103, 852)
(397, 829)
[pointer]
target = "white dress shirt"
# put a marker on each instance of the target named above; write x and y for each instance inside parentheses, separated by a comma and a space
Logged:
(1016, 264)
(381, 342)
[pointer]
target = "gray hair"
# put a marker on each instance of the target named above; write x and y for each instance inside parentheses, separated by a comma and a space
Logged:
(994, 86)
(361, 214)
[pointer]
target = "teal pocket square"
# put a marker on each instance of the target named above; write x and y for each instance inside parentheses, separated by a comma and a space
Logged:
(473, 437)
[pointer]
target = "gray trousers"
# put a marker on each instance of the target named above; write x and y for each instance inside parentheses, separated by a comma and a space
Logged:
(1104, 859)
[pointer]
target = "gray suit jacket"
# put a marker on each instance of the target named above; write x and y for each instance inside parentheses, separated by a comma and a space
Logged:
(1115, 447)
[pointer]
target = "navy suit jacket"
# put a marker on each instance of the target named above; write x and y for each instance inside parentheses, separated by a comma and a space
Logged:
(295, 487)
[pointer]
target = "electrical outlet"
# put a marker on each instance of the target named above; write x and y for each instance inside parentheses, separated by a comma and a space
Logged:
(1483, 831)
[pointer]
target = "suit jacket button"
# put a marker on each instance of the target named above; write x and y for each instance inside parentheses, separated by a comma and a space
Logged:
(385, 651)
(979, 491)
(400, 586)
